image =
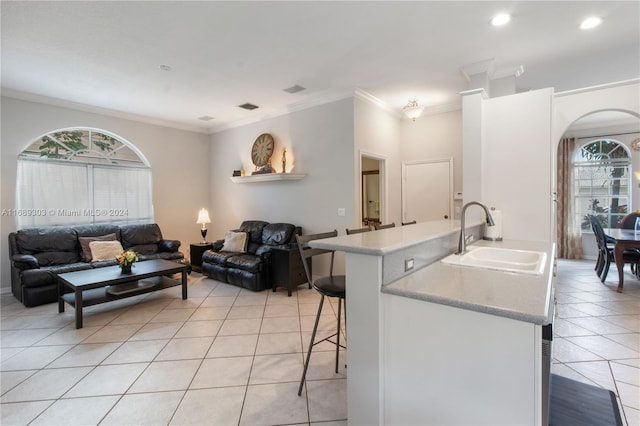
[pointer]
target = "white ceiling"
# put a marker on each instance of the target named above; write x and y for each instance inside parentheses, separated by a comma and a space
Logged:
(108, 54)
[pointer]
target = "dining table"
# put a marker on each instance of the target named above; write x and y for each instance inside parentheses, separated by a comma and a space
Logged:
(624, 239)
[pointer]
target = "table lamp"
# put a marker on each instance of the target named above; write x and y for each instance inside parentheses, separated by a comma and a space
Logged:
(203, 218)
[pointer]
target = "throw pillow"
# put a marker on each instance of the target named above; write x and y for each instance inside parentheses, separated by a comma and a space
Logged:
(85, 253)
(235, 242)
(105, 250)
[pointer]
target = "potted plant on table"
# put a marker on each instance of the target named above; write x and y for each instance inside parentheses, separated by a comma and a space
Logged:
(126, 259)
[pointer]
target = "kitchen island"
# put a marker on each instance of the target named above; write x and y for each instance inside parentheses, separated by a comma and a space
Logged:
(433, 343)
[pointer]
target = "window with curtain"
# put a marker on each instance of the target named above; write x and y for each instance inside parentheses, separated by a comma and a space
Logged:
(602, 182)
(82, 176)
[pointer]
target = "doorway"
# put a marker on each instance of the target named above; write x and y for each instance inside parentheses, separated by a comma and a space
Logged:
(372, 189)
(574, 237)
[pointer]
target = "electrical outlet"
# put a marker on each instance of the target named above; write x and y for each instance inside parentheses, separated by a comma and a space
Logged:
(341, 211)
(408, 264)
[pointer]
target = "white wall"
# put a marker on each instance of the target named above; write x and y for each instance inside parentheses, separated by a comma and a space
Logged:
(516, 163)
(511, 168)
(572, 105)
(319, 143)
(435, 136)
(179, 161)
(518, 137)
(377, 133)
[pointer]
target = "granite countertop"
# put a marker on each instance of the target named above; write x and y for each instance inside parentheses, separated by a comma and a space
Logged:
(386, 241)
(513, 295)
(518, 296)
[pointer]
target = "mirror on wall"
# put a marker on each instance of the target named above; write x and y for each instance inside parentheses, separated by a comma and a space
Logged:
(371, 192)
(371, 197)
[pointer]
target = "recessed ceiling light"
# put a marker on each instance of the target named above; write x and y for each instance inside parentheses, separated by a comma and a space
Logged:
(500, 19)
(164, 67)
(590, 22)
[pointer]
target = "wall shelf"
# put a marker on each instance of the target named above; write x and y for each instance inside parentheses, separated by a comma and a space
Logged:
(267, 177)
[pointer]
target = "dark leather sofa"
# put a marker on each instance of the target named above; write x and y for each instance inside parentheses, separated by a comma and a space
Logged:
(38, 254)
(250, 270)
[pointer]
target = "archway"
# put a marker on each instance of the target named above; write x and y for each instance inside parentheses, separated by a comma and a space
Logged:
(616, 125)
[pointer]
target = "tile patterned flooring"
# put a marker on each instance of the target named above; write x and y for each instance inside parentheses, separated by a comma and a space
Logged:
(597, 332)
(232, 357)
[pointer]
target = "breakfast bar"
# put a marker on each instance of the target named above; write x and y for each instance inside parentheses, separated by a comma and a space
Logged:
(426, 338)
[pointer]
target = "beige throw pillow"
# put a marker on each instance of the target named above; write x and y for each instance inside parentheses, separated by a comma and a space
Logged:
(105, 250)
(85, 253)
(235, 242)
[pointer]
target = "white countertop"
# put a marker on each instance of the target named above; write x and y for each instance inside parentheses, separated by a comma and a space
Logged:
(513, 295)
(385, 241)
(518, 296)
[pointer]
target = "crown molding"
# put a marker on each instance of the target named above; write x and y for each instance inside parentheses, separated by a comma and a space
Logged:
(326, 98)
(46, 100)
(368, 97)
(599, 87)
(480, 91)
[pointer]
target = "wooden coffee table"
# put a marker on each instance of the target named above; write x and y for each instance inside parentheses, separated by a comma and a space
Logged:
(100, 285)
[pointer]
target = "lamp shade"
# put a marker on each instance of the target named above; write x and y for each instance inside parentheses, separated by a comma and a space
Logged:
(203, 216)
(412, 109)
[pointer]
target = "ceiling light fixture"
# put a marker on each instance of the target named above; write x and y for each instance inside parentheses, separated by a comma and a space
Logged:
(500, 19)
(590, 22)
(412, 109)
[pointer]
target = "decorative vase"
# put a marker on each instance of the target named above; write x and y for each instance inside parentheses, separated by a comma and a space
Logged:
(126, 269)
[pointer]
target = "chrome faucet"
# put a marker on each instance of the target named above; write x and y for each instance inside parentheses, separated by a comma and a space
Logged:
(462, 242)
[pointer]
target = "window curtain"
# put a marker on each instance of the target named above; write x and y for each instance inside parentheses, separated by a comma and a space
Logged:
(56, 193)
(50, 193)
(569, 239)
(124, 194)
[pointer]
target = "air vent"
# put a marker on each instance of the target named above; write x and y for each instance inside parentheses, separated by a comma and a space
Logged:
(294, 89)
(248, 106)
(205, 118)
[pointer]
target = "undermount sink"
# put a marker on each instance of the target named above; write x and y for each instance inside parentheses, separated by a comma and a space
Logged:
(501, 259)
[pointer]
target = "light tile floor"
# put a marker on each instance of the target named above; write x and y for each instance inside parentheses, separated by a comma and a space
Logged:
(224, 356)
(232, 357)
(597, 332)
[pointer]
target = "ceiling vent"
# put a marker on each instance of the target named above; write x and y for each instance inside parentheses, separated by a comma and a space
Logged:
(294, 89)
(248, 106)
(205, 118)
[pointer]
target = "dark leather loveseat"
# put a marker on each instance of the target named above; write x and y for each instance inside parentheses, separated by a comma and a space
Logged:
(249, 269)
(38, 254)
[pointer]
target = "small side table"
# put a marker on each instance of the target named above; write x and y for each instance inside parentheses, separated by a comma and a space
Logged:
(287, 269)
(196, 254)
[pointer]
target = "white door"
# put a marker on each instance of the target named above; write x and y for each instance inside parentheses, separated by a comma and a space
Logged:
(427, 190)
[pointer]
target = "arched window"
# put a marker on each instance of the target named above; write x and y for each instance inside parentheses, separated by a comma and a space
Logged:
(82, 176)
(602, 178)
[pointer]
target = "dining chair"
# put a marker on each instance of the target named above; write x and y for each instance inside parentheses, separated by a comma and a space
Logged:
(358, 230)
(387, 226)
(328, 286)
(629, 221)
(606, 251)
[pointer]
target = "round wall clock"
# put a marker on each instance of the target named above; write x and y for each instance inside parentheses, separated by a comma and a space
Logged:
(635, 144)
(262, 150)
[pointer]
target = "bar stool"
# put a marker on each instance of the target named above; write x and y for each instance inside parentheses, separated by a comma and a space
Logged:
(358, 230)
(329, 286)
(387, 226)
